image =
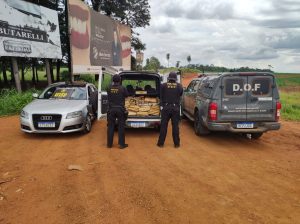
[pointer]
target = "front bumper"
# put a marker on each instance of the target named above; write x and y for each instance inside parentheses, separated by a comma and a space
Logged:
(65, 126)
(258, 128)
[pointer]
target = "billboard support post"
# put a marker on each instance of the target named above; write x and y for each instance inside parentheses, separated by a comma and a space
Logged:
(48, 73)
(16, 74)
(99, 93)
(68, 41)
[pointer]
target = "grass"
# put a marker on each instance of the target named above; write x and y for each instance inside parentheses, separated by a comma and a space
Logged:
(12, 102)
(288, 80)
(290, 105)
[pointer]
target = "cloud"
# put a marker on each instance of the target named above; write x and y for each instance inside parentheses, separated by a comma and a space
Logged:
(283, 6)
(198, 10)
(261, 53)
(162, 26)
(229, 33)
(277, 23)
(284, 41)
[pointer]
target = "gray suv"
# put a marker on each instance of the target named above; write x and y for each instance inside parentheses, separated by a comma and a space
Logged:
(236, 102)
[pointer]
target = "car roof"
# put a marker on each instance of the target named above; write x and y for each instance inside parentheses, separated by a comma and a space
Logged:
(138, 73)
(71, 84)
(210, 76)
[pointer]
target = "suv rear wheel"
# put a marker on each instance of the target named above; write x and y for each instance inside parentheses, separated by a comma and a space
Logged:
(199, 128)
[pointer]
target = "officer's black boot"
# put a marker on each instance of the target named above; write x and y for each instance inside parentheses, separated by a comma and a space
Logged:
(123, 146)
(160, 145)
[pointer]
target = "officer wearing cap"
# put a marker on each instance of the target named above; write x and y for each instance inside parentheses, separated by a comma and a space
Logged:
(116, 111)
(170, 94)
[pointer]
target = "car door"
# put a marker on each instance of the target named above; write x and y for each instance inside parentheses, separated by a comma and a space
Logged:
(103, 84)
(260, 103)
(187, 96)
(93, 98)
(233, 98)
(193, 97)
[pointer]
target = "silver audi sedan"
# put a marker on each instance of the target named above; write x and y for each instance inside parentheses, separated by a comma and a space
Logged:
(61, 108)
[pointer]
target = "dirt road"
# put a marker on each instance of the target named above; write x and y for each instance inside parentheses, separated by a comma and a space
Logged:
(223, 178)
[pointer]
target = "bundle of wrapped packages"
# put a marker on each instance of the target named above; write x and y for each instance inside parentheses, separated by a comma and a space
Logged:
(142, 106)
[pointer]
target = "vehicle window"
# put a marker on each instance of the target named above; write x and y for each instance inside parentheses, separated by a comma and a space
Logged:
(234, 87)
(48, 92)
(140, 86)
(191, 86)
(59, 92)
(195, 87)
(261, 86)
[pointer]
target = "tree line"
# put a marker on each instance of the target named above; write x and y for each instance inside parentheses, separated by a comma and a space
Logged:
(153, 64)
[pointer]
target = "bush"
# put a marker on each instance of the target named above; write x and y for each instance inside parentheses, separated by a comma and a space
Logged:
(88, 78)
(12, 102)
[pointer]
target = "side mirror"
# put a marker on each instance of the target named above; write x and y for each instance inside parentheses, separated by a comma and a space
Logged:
(35, 95)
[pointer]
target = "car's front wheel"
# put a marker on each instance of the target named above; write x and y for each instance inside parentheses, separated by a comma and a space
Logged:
(87, 124)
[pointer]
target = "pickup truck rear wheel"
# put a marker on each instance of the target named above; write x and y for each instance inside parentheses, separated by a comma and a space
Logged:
(256, 135)
(199, 128)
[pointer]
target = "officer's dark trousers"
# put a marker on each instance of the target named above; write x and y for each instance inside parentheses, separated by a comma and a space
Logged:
(112, 116)
(169, 112)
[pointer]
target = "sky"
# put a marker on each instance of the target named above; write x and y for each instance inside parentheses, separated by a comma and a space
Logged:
(230, 33)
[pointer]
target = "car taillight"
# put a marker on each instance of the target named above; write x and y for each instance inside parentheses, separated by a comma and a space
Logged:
(278, 107)
(212, 111)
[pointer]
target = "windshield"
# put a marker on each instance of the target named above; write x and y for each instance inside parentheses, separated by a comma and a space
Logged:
(136, 87)
(68, 93)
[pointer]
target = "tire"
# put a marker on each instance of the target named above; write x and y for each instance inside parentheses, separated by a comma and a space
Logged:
(199, 128)
(87, 125)
(256, 135)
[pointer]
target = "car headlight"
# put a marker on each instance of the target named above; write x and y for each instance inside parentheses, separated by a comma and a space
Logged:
(74, 114)
(24, 114)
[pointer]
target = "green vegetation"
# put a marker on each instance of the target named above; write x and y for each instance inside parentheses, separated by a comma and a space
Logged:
(12, 102)
(41, 73)
(184, 70)
(290, 105)
(288, 80)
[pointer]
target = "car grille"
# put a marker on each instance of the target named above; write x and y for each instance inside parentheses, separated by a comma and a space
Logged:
(56, 118)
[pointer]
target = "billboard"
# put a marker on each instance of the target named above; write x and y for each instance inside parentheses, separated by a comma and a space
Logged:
(97, 40)
(28, 30)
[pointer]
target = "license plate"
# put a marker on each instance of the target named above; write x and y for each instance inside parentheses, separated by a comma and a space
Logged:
(137, 124)
(245, 125)
(46, 124)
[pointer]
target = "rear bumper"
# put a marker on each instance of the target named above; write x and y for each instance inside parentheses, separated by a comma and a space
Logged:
(260, 127)
(148, 122)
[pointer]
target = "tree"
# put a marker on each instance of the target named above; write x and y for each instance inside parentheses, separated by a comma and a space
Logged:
(134, 13)
(152, 64)
(189, 59)
(168, 58)
(177, 64)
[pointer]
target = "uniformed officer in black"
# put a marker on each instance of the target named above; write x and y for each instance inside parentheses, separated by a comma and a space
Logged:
(170, 94)
(116, 110)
